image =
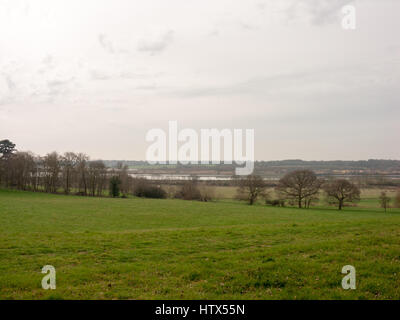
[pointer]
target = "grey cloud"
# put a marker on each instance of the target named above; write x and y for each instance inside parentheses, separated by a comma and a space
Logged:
(247, 26)
(306, 82)
(106, 44)
(214, 33)
(319, 11)
(56, 87)
(48, 60)
(97, 74)
(157, 44)
(47, 64)
(8, 92)
(10, 83)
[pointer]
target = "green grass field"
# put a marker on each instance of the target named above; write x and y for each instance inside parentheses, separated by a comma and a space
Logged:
(173, 249)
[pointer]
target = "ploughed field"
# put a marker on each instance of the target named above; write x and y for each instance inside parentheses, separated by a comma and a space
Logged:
(133, 248)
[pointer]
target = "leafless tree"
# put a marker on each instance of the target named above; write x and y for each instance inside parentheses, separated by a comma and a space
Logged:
(251, 188)
(189, 190)
(81, 168)
(68, 167)
(384, 200)
(300, 186)
(21, 168)
(124, 178)
(96, 177)
(51, 165)
(341, 191)
(207, 193)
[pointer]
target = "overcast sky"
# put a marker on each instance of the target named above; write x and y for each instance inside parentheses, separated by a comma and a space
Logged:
(95, 75)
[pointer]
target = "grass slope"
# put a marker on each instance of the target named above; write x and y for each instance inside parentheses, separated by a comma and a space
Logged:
(149, 249)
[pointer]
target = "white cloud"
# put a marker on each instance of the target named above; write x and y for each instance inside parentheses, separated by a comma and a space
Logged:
(106, 43)
(318, 12)
(156, 43)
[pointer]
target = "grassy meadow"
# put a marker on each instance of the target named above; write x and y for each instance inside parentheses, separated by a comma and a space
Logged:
(105, 248)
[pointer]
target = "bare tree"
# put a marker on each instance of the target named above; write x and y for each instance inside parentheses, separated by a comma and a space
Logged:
(21, 168)
(384, 200)
(207, 193)
(124, 178)
(342, 191)
(189, 190)
(96, 177)
(51, 165)
(300, 186)
(68, 166)
(81, 168)
(250, 188)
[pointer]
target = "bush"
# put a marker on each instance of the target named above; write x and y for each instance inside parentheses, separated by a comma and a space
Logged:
(144, 189)
(275, 202)
(153, 192)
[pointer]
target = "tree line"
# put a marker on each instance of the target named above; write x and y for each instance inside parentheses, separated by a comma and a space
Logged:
(75, 173)
(69, 173)
(302, 188)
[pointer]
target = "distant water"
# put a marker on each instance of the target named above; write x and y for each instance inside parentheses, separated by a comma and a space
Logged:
(180, 177)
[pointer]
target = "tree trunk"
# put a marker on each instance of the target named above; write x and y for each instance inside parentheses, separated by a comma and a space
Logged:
(340, 204)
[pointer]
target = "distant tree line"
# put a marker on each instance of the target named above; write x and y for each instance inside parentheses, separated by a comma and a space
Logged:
(68, 173)
(75, 173)
(300, 188)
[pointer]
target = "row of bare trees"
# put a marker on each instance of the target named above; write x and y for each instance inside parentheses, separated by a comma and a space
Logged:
(75, 173)
(300, 187)
(67, 173)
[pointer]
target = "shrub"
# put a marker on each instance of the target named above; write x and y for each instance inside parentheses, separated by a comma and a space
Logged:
(275, 202)
(144, 189)
(153, 192)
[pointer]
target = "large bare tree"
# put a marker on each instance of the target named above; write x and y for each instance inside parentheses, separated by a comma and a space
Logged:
(251, 188)
(341, 191)
(300, 186)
